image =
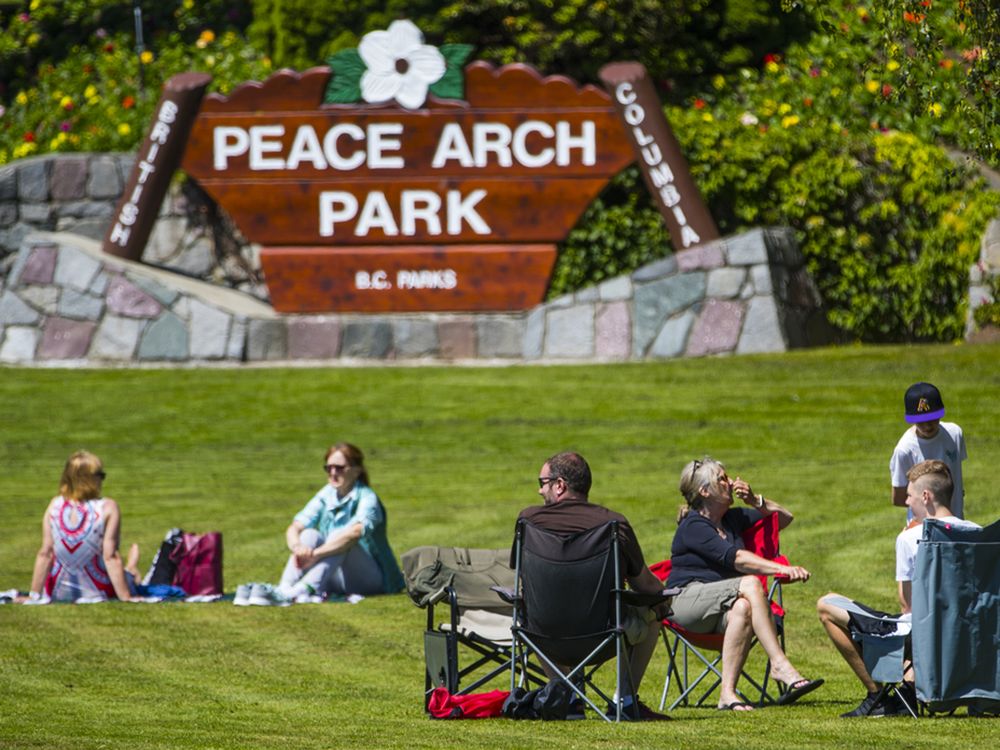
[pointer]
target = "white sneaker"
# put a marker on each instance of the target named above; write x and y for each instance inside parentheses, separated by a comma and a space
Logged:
(265, 595)
(242, 598)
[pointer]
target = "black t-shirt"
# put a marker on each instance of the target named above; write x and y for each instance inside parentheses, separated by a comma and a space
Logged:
(574, 516)
(698, 553)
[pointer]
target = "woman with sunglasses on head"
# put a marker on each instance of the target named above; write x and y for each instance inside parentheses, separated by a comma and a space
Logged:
(720, 591)
(79, 558)
(338, 542)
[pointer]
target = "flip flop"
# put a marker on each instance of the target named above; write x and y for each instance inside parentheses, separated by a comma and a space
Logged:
(737, 706)
(797, 689)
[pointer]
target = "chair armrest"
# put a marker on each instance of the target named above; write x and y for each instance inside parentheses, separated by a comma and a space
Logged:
(645, 599)
(506, 594)
(434, 597)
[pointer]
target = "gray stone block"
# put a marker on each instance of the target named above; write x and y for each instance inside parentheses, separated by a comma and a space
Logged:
(587, 295)
(761, 277)
(701, 257)
(656, 270)
(725, 283)
(236, 347)
(66, 339)
(457, 339)
(534, 334)
(165, 241)
(747, 249)
(415, 337)
(761, 328)
(12, 237)
(8, 213)
(94, 229)
(86, 210)
(80, 305)
(69, 178)
(166, 338)
(14, 311)
(656, 302)
(33, 180)
(125, 298)
(196, 259)
(105, 180)
(266, 340)
(42, 298)
(116, 338)
(367, 339)
(500, 337)
(75, 268)
(38, 214)
(618, 288)
(99, 285)
(8, 183)
(313, 338)
(672, 339)
(18, 344)
(570, 332)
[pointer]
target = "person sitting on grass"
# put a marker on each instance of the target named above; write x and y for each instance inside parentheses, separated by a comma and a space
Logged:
(928, 495)
(79, 558)
(720, 591)
(339, 543)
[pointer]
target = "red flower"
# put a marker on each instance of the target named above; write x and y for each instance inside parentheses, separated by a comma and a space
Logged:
(808, 101)
(925, 3)
(128, 102)
(814, 72)
(771, 57)
(68, 106)
(88, 68)
(886, 90)
(29, 137)
(699, 104)
(109, 47)
(911, 17)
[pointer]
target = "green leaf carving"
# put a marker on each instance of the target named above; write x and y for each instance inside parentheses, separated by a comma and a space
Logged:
(345, 83)
(452, 84)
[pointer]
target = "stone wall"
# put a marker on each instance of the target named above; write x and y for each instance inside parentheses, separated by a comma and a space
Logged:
(980, 276)
(65, 301)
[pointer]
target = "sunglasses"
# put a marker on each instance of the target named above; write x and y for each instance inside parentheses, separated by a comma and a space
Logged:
(336, 467)
(542, 481)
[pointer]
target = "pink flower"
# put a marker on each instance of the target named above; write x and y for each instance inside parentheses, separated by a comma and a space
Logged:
(65, 126)
(814, 72)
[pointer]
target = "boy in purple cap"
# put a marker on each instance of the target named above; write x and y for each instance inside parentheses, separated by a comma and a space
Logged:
(928, 438)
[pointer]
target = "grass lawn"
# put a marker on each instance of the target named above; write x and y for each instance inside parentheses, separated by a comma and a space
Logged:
(454, 453)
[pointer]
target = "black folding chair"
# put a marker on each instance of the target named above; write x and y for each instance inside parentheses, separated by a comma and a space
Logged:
(568, 599)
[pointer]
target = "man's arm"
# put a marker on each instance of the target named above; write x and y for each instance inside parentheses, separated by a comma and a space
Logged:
(899, 496)
(905, 595)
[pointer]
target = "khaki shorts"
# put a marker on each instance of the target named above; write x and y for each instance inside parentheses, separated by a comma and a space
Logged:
(702, 607)
(635, 622)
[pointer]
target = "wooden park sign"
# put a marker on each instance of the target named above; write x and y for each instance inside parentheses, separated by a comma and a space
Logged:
(445, 188)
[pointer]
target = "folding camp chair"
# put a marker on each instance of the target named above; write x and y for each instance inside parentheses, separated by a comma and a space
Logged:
(471, 644)
(705, 649)
(956, 617)
(568, 608)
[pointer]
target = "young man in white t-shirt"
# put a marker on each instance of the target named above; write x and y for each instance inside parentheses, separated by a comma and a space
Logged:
(928, 492)
(928, 438)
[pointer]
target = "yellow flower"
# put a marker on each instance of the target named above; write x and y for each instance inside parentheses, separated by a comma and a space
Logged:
(210, 60)
(872, 86)
(21, 98)
(188, 4)
(266, 63)
(90, 92)
(124, 129)
(772, 67)
(719, 83)
(66, 101)
(784, 109)
(707, 116)
(24, 149)
(892, 65)
(146, 57)
(35, 5)
(206, 38)
(935, 109)
(789, 121)
(33, 39)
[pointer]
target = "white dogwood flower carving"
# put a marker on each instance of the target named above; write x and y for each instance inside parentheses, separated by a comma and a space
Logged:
(399, 65)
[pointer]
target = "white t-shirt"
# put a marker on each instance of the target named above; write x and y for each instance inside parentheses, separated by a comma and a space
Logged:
(948, 446)
(906, 545)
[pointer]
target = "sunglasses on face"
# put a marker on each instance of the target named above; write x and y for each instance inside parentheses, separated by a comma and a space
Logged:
(542, 481)
(336, 467)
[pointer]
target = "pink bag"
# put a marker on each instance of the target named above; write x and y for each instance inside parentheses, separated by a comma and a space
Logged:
(199, 563)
